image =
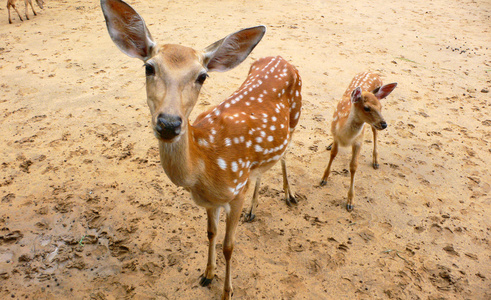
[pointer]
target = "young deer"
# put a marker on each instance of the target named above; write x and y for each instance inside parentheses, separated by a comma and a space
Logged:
(227, 146)
(360, 104)
(11, 3)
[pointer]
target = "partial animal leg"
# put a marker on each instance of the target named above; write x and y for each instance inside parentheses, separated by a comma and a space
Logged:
(352, 168)
(290, 199)
(233, 216)
(251, 215)
(26, 12)
(375, 151)
(15, 7)
(334, 152)
(30, 2)
(213, 216)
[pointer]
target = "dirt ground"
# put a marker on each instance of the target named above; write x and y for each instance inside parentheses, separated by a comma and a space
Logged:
(86, 211)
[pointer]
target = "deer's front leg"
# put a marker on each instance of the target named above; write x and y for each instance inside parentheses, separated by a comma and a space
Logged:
(352, 168)
(334, 152)
(290, 199)
(213, 216)
(375, 151)
(233, 217)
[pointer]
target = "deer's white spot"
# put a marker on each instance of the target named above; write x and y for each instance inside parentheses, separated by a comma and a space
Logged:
(234, 166)
(222, 164)
(228, 142)
(203, 143)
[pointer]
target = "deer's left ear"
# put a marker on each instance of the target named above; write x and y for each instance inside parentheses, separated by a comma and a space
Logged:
(384, 91)
(356, 95)
(230, 51)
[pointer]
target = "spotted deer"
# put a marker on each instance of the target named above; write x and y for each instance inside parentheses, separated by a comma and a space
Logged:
(11, 3)
(227, 146)
(360, 104)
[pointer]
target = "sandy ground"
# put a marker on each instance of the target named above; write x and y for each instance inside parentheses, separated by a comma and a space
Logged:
(86, 211)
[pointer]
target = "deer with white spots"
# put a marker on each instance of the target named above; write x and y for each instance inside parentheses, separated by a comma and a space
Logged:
(228, 146)
(360, 105)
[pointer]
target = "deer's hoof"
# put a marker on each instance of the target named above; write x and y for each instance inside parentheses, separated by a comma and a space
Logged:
(249, 217)
(291, 201)
(323, 183)
(227, 295)
(203, 281)
(349, 207)
(376, 166)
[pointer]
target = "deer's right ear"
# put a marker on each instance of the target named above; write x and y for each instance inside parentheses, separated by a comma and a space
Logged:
(127, 29)
(230, 51)
(356, 95)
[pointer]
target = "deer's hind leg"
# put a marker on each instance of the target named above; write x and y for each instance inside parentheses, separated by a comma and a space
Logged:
(289, 198)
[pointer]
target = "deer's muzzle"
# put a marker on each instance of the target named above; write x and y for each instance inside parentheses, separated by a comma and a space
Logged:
(167, 126)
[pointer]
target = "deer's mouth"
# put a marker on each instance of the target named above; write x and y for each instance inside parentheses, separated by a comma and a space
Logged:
(380, 126)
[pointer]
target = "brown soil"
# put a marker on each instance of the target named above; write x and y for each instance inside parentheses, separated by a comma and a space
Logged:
(86, 211)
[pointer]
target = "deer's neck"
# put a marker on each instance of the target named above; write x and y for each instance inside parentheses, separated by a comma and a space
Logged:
(179, 160)
(354, 123)
(350, 129)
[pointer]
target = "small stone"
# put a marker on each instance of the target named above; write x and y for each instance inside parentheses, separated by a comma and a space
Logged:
(484, 90)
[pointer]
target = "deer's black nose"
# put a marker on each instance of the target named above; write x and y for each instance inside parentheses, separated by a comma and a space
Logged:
(383, 125)
(167, 126)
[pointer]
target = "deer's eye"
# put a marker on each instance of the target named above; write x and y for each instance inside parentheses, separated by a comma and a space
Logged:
(366, 108)
(201, 78)
(149, 70)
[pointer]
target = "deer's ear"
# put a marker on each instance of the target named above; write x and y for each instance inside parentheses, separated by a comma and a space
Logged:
(384, 91)
(356, 95)
(127, 29)
(230, 51)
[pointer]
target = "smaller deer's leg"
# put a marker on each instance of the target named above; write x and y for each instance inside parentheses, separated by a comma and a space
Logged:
(334, 152)
(8, 8)
(233, 217)
(352, 168)
(30, 2)
(26, 12)
(290, 199)
(213, 216)
(375, 151)
(251, 215)
(16, 12)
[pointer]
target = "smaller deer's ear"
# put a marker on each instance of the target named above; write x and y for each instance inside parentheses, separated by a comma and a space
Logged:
(230, 51)
(384, 91)
(356, 95)
(127, 29)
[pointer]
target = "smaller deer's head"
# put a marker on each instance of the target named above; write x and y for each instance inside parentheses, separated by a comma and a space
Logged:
(174, 73)
(368, 107)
